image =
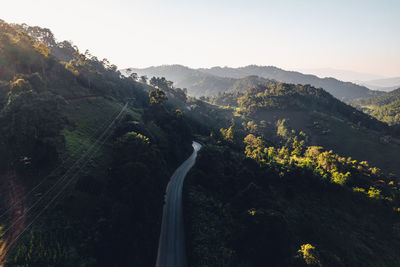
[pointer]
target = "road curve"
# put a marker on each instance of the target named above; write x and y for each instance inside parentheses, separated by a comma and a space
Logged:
(171, 247)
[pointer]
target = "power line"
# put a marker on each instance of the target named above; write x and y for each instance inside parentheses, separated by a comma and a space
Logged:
(54, 171)
(87, 153)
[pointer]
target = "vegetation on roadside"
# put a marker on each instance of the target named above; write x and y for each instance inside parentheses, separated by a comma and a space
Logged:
(290, 205)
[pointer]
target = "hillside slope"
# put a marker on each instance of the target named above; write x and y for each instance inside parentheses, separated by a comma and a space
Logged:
(88, 146)
(265, 193)
(385, 107)
(326, 121)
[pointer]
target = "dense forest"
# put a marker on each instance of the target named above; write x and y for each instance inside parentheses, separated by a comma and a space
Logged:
(87, 151)
(288, 204)
(276, 197)
(326, 120)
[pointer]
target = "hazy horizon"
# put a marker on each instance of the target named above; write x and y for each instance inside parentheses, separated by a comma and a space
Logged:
(360, 37)
(340, 74)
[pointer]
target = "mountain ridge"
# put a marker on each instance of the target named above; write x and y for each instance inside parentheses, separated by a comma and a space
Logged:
(199, 81)
(385, 84)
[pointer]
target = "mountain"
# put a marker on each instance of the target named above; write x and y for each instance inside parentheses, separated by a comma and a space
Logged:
(343, 75)
(211, 81)
(197, 82)
(326, 120)
(387, 84)
(339, 89)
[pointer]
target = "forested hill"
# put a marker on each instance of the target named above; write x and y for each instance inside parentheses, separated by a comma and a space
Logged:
(385, 107)
(211, 81)
(270, 189)
(326, 120)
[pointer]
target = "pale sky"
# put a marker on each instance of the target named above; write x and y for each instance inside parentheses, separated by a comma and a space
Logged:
(357, 35)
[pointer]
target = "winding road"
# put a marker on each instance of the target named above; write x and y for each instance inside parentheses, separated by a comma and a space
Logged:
(171, 247)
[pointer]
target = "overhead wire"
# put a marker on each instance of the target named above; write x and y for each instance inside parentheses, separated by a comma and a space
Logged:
(87, 154)
(65, 162)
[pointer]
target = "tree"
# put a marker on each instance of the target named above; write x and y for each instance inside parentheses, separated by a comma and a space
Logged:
(282, 129)
(18, 86)
(157, 97)
(134, 76)
(181, 94)
(30, 125)
(143, 79)
(161, 83)
(255, 148)
(309, 255)
(298, 146)
(228, 134)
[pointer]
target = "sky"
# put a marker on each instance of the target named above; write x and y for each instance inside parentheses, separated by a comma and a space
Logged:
(356, 35)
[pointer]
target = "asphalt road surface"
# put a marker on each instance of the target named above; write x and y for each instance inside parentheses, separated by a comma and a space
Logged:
(171, 247)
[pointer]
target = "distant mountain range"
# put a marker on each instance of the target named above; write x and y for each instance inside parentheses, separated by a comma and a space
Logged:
(343, 75)
(209, 82)
(387, 84)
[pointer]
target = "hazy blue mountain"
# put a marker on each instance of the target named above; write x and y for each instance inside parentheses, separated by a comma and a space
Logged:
(386, 85)
(197, 82)
(343, 75)
(339, 89)
(211, 81)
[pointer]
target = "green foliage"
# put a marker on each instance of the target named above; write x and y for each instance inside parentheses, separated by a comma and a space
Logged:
(256, 149)
(385, 107)
(309, 254)
(42, 249)
(282, 129)
(212, 243)
(157, 97)
(161, 83)
(358, 189)
(228, 134)
(323, 119)
(18, 86)
(274, 206)
(340, 178)
(298, 146)
(30, 125)
(275, 96)
(322, 163)
(374, 193)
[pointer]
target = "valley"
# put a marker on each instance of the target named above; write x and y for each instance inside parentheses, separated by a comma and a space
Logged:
(175, 166)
